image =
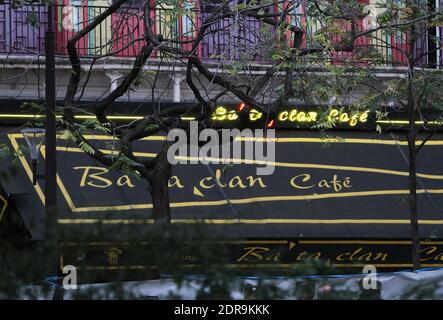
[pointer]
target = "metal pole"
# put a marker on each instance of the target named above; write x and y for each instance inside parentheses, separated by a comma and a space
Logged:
(50, 139)
(412, 138)
(439, 38)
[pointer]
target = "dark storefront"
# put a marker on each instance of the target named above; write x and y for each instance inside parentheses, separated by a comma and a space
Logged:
(339, 196)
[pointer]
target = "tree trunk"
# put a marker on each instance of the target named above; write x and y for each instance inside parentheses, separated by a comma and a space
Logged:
(159, 187)
(415, 235)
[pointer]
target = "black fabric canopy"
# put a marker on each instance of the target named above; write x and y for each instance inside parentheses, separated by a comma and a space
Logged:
(346, 187)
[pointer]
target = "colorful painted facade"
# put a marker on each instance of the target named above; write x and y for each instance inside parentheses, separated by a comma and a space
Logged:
(16, 35)
(122, 34)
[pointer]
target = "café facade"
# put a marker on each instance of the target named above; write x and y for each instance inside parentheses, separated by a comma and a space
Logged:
(339, 196)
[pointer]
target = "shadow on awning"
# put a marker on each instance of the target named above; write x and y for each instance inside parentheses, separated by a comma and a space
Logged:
(21, 198)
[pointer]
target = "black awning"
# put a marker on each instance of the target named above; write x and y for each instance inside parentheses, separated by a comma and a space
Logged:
(3, 203)
(21, 198)
(342, 198)
(354, 185)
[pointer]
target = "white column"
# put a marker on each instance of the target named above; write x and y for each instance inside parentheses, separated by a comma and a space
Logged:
(178, 78)
(113, 77)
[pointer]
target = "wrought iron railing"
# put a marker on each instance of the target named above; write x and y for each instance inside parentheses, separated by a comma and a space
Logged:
(121, 35)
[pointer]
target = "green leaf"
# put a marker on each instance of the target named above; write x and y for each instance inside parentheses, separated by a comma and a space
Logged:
(86, 148)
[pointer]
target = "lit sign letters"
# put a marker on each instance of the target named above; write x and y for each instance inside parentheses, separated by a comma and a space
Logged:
(255, 115)
(297, 116)
(223, 114)
(345, 117)
(335, 116)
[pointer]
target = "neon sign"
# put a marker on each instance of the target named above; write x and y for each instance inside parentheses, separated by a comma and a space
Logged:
(223, 114)
(346, 117)
(255, 115)
(296, 116)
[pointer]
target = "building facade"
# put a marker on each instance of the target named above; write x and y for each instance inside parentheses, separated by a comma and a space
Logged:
(118, 39)
(346, 203)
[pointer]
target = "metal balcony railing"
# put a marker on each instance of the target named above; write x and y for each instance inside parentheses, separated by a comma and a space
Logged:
(121, 35)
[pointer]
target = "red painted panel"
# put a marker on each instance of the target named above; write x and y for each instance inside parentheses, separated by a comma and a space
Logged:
(127, 32)
(71, 16)
(361, 45)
